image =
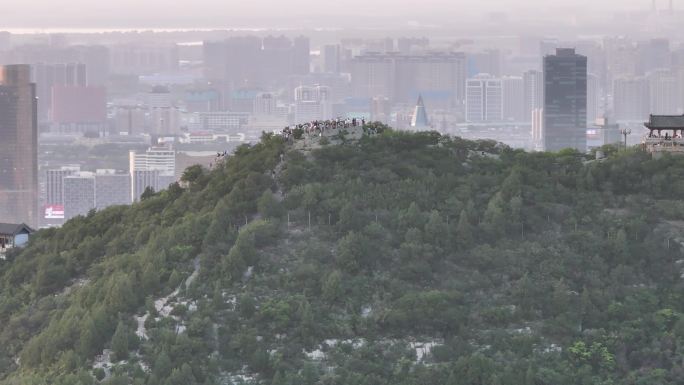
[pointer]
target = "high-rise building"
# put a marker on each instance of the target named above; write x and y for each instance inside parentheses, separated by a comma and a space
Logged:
(154, 168)
(79, 108)
(97, 62)
(484, 99)
(47, 76)
(79, 194)
(250, 61)
(301, 55)
(18, 146)
(164, 115)
(594, 107)
(265, 104)
(129, 119)
(439, 77)
(381, 109)
(135, 59)
(486, 62)
(408, 46)
(312, 103)
(112, 188)
(234, 61)
(664, 92)
(534, 92)
(631, 99)
(373, 75)
(565, 101)
(331, 58)
(54, 190)
(85, 191)
(621, 59)
(653, 55)
(513, 88)
(537, 129)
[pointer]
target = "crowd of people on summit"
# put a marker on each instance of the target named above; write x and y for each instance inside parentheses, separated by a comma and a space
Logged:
(318, 127)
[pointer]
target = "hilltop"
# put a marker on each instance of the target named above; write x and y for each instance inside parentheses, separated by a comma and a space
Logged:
(371, 257)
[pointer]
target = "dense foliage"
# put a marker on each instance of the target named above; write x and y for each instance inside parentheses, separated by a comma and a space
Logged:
(398, 259)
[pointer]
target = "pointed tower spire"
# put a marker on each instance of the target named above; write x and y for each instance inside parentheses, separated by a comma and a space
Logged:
(420, 119)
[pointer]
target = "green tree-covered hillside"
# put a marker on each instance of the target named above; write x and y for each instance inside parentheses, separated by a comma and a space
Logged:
(396, 258)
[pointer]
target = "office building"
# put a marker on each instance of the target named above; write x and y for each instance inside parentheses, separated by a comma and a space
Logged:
(265, 104)
(537, 129)
(484, 99)
(381, 109)
(408, 46)
(312, 103)
(79, 109)
(331, 58)
(79, 194)
(513, 89)
(164, 114)
(664, 92)
(594, 103)
(141, 180)
(250, 61)
(54, 190)
(47, 76)
(653, 55)
(565, 101)
(301, 55)
(438, 77)
(136, 59)
(631, 99)
(202, 100)
(373, 75)
(19, 146)
(112, 188)
(486, 62)
(228, 122)
(129, 120)
(155, 168)
(534, 92)
(85, 191)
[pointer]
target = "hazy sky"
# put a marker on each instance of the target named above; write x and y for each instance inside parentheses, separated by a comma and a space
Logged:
(210, 13)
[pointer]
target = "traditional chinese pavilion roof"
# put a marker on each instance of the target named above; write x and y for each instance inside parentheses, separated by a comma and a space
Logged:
(665, 122)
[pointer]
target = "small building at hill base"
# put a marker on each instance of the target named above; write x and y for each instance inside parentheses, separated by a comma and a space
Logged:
(13, 235)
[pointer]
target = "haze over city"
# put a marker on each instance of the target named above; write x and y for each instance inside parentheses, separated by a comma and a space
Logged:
(311, 14)
(360, 192)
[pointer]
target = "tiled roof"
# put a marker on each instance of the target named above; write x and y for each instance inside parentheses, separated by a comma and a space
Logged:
(13, 228)
(666, 121)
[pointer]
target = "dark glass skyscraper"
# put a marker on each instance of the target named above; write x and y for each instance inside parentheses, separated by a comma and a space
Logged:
(565, 101)
(18, 146)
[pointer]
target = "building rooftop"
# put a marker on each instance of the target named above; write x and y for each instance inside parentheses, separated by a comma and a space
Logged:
(665, 122)
(14, 228)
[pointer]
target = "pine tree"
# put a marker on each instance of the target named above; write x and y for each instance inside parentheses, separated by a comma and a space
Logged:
(162, 366)
(464, 231)
(120, 342)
